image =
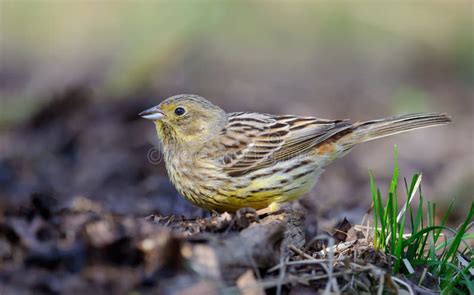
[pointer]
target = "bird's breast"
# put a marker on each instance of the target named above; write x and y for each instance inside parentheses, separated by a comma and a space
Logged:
(199, 181)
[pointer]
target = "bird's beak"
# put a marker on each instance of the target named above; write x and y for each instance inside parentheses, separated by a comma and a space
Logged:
(153, 113)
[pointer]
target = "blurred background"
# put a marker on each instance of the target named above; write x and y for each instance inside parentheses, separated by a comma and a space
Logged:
(75, 74)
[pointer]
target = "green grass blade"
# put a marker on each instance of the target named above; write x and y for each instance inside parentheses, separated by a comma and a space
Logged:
(465, 237)
(431, 223)
(453, 248)
(422, 226)
(423, 232)
(399, 243)
(393, 183)
(419, 215)
(445, 218)
(382, 218)
(377, 205)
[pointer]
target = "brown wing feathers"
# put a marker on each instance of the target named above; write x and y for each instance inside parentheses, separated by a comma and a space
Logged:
(275, 138)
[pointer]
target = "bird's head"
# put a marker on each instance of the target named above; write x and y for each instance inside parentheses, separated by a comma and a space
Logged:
(186, 120)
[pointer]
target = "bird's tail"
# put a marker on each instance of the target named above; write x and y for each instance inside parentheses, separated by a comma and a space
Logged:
(369, 130)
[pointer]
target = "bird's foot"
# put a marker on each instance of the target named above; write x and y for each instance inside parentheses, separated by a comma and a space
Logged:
(244, 217)
(273, 207)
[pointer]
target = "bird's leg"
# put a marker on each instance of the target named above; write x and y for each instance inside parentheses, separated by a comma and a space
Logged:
(264, 211)
(273, 207)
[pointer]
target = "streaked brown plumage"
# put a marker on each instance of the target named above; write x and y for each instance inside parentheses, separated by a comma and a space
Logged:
(224, 162)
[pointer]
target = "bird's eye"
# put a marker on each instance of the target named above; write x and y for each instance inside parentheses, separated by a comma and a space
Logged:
(179, 111)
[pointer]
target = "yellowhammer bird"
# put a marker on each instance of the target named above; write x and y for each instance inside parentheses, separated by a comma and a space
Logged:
(226, 161)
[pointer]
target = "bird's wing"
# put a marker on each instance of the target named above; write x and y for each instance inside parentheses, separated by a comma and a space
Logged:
(251, 141)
